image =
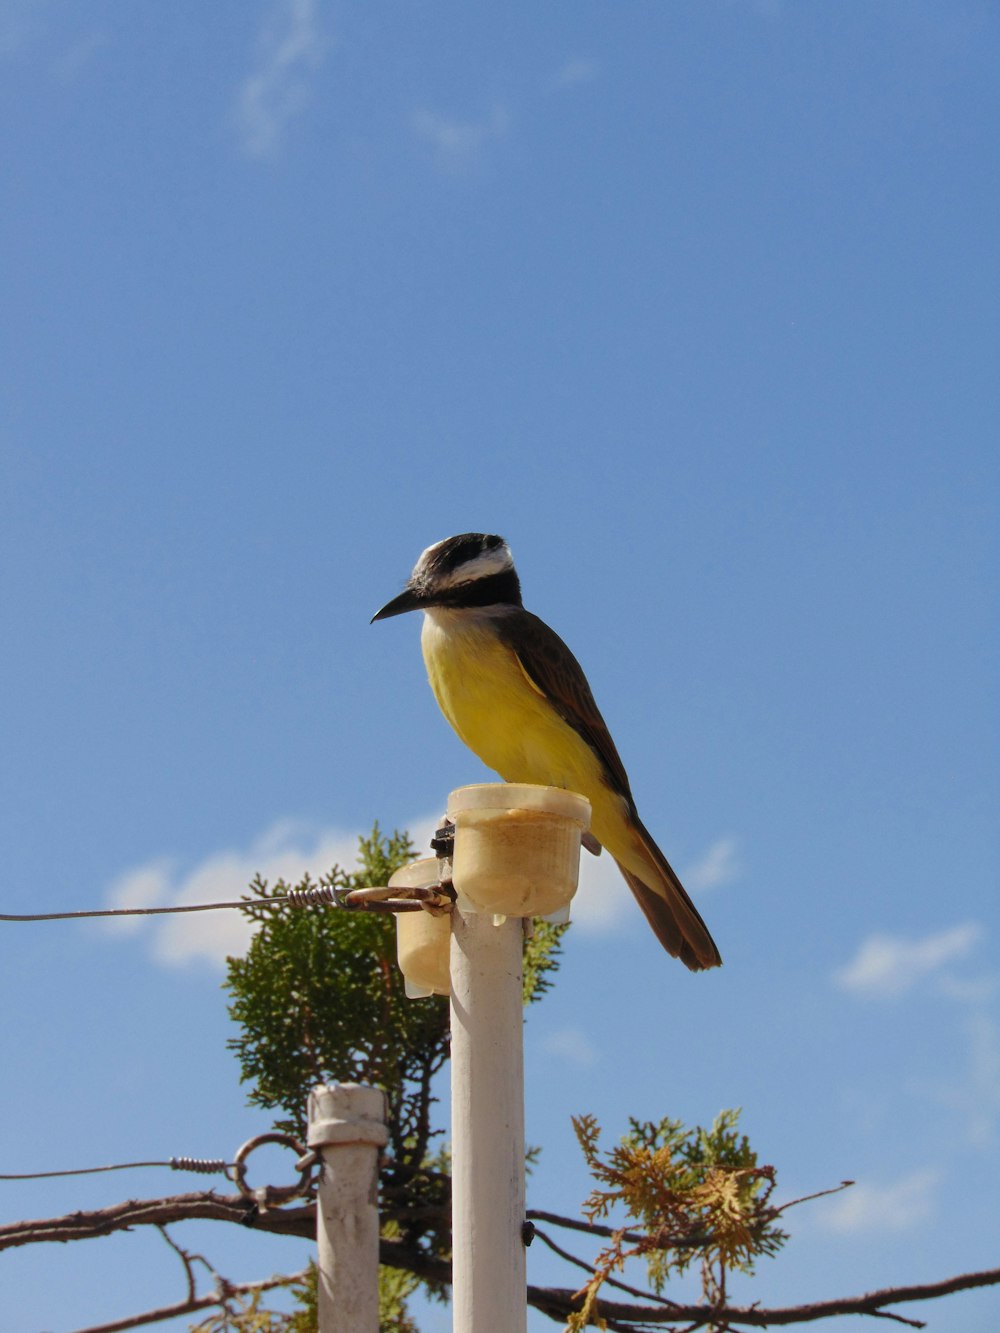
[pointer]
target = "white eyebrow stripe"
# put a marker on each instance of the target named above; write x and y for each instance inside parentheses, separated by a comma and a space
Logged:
(496, 561)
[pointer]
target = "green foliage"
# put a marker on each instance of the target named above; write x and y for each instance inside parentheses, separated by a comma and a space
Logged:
(395, 1285)
(306, 1318)
(693, 1195)
(542, 951)
(318, 998)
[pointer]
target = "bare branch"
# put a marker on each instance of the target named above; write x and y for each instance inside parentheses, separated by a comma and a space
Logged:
(193, 1304)
(186, 1259)
(298, 1221)
(559, 1301)
(808, 1198)
(556, 1302)
(597, 1229)
(589, 1268)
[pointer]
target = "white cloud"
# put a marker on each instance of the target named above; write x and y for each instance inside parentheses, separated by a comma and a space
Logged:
(146, 886)
(603, 901)
(975, 1094)
(290, 49)
(887, 966)
(571, 1045)
(891, 1207)
(456, 142)
(581, 69)
(286, 850)
(720, 865)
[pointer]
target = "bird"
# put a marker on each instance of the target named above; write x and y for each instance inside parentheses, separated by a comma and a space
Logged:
(519, 699)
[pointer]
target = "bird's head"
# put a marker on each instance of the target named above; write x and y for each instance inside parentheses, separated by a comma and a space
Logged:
(474, 569)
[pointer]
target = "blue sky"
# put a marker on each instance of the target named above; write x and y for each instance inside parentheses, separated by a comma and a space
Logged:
(695, 303)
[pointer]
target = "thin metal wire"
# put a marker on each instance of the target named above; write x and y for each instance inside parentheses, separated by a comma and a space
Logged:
(117, 911)
(236, 1170)
(204, 1165)
(318, 895)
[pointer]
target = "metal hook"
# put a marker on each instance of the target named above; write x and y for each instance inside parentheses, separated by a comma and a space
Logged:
(265, 1195)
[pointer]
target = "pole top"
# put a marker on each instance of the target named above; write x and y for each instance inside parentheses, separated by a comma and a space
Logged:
(517, 847)
(347, 1113)
(520, 796)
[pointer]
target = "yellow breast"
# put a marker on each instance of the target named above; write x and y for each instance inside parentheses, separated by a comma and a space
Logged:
(501, 716)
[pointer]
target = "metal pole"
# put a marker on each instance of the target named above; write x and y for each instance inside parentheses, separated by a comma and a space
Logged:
(487, 1100)
(347, 1128)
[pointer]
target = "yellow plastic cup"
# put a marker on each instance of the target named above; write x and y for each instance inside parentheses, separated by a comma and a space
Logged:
(423, 941)
(517, 846)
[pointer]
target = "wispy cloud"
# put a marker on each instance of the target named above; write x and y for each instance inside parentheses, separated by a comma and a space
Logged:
(290, 49)
(287, 850)
(973, 1093)
(149, 885)
(887, 966)
(457, 142)
(580, 69)
(720, 865)
(898, 1206)
(572, 1046)
(602, 901)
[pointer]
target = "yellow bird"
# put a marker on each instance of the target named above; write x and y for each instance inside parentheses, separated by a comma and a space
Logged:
(518, 698)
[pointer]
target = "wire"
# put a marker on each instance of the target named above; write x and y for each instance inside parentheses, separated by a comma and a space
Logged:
(202, 1165)
(434, 898)
(319, 895)
(236, 1170)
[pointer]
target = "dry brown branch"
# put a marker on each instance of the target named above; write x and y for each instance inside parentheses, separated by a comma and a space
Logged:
(298, 1221)
(193, 1304)
(560, 1300)
(589, 1268)
(598, 1229)
(557, 1302)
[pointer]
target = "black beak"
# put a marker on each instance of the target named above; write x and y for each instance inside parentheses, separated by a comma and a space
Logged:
(408, 600)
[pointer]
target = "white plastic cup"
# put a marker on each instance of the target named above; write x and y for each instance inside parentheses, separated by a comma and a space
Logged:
(423, 940)
(517, 846)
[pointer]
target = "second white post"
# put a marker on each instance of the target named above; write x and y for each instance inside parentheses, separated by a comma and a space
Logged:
(347, 1127)
(487, 1100)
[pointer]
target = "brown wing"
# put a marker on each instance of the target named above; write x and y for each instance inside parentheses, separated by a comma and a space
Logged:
(553, 670)
(555, 673)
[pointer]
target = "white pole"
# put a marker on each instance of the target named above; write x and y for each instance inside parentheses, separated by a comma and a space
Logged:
(487, 1107)
(347, 1128)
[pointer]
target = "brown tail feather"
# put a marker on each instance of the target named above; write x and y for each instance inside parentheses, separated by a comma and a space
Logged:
(674, 918)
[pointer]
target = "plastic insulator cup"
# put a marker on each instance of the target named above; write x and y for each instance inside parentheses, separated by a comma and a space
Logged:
(517, 846)
(423, 941)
